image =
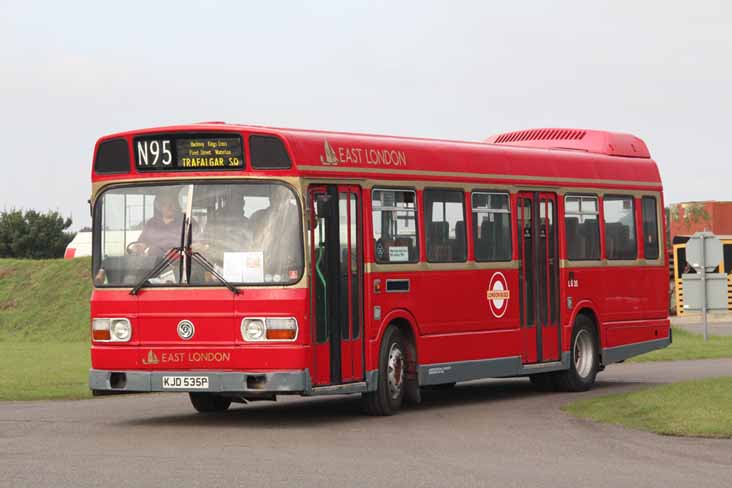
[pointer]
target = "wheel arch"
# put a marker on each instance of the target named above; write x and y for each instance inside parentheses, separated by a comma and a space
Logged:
(588, 309)
(401, 318)
(407, 325)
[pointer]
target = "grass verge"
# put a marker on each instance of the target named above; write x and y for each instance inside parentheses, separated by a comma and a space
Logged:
(687, 345)
(44, 300)
(38, 371)
(701, 408)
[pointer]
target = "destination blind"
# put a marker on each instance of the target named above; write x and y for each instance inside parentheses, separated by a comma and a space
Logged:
(189, 152)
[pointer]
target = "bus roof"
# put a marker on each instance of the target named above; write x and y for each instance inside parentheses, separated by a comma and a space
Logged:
(560, 157)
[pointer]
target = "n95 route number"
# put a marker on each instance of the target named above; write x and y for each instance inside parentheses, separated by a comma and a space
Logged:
(152, 152)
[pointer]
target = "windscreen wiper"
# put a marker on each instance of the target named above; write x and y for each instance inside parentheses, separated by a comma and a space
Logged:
(170, 256)
(204, 263)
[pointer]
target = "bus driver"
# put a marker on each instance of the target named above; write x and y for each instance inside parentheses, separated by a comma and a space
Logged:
(163, 230)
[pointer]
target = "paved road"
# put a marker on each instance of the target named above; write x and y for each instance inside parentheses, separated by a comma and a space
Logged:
(715, 328)
(491, 433)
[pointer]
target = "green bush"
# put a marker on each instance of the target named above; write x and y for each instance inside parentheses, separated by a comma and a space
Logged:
(33, 235)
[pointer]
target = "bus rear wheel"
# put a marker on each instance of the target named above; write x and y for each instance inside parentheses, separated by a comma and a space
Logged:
(388, 397)
(209, 402)
(584, 360)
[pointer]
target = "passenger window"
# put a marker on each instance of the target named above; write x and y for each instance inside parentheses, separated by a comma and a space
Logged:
(619, 227)
(491, 226)
(582, 227)
(444, 215)
(394, 216)
(650, 228)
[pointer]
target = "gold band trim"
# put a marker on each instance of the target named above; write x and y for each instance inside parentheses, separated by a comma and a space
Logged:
(423, 266)
(610, 263)
(483, 176)
(303, 283)
(98, 186)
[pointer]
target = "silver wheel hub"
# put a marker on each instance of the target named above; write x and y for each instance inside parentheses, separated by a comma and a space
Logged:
(584, 354)
(395, 371)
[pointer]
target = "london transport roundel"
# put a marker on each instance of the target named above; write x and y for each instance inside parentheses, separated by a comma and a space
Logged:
(498, 294)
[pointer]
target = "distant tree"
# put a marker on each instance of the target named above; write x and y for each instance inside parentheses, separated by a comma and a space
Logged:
(33, 235)
(689, 213)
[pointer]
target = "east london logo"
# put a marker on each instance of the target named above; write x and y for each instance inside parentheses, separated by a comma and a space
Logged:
(498, 294)
(361, 155)
(191, 357)
(152, 358)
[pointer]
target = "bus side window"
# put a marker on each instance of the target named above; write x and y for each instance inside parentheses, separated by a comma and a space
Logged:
(650, 228)
(444, 215)
(491, 226)
(619, 214)
(394, 222)
(582, 227)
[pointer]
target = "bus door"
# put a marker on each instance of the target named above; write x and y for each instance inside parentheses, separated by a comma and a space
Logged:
(536, 226)
(336, 283)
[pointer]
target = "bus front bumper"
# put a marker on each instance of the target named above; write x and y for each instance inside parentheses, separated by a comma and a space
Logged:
(217, 382)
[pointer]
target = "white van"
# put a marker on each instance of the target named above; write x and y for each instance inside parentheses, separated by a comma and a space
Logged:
(80, 246)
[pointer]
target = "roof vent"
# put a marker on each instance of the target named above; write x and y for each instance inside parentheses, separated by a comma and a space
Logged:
(593, 141)
(541, 135)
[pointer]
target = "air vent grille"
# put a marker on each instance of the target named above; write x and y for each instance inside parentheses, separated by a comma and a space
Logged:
(541, 135)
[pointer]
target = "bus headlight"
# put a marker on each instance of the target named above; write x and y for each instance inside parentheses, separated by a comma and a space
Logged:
(252, 329)
(111, 330)
(269, 329)
(121, 330)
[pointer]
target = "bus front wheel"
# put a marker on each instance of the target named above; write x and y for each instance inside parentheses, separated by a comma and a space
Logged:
(208, 402)
(584, 358)
(388, 397)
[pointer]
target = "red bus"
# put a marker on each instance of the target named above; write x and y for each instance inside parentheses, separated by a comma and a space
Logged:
(238, 263)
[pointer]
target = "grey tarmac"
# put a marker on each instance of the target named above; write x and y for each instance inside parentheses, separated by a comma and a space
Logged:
(716, 328)
(490, 433)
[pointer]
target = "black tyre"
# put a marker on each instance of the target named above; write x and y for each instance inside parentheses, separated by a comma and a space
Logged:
(441, 386)
(392, 380)
(208, 402)
(584, 358)
(544, 381)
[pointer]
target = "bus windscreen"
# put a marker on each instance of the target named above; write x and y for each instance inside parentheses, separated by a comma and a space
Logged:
(250, 233)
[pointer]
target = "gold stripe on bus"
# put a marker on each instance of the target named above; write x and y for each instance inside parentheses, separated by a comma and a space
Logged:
(610, 263)
(303, 283)
(294, 181)
(483, 176)
(561, 191)
(424, 266)
(570, 191)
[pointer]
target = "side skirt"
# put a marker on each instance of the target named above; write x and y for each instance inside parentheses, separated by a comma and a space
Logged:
(620, 353)
(439, 373)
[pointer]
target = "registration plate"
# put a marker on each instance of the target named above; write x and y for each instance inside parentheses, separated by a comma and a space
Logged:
(186, 382)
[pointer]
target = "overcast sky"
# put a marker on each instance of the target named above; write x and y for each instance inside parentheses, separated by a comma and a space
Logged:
(72, 72)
